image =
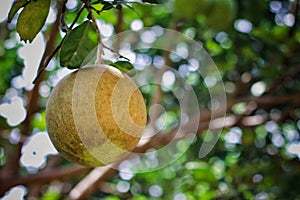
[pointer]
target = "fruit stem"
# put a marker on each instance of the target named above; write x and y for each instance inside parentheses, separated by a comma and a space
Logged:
(100, 51)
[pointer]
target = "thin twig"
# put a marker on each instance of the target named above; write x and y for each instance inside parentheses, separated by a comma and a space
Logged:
(134, 10)
(77, 17)
(11, 168)
(98, 175)
(112, 50)
(96, 10)
(100, 52)
(49, 58)
(43, 177)
(295, 13)
(118, 28)
(63, 21)
(84, 190)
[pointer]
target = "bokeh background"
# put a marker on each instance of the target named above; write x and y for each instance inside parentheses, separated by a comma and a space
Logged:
(256, 46)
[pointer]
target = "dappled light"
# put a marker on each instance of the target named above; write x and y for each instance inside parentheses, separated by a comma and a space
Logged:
(36, 150)
(13, 111)
(136, 25)
(17, 192)
(243, 25)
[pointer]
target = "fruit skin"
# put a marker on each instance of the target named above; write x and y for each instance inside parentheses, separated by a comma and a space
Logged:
(95, 115)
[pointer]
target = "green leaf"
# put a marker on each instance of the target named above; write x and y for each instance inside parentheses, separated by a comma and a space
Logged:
(124, 66)
(32, 19)
(119, 7)
(78, 44)
(151, 1)
(51, 195)
(17, 5)
(97, 8)
(111, 198)
(39, 121)
(107, 6)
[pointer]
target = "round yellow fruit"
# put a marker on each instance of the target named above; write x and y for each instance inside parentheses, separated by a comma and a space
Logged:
(95, 115)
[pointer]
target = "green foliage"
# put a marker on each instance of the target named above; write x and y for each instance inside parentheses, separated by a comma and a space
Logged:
(151, 1)
(77, 45)
(217, 14)
(39, 121)
(124, 66)
(30, 23)
(51, 196)
(189, 11)
(222, 14)
(11, 66)
(17, 5)
(111, 198)
(2, 156)
(106, 6)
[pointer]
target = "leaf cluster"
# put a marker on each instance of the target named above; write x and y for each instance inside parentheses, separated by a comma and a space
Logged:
(78, 42)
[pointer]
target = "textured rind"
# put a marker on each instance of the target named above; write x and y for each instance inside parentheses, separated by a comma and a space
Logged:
(116, 135)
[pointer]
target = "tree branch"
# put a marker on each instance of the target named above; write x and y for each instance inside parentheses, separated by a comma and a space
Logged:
(12, 166)
(91, 182)
(100, 52)
(43, 177)
(295, 12)
(118, 28)
(49, 57)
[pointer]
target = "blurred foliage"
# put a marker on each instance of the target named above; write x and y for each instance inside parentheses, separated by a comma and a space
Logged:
(251, 41)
